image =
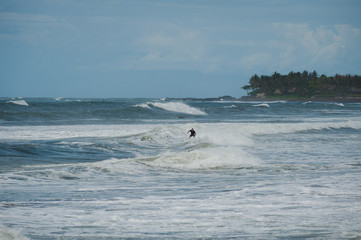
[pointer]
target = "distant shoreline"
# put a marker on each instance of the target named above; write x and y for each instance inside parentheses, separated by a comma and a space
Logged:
(299, 99)
(280, 98)
(230, 98)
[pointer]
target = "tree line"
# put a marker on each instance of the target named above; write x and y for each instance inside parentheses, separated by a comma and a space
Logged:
(305, 84)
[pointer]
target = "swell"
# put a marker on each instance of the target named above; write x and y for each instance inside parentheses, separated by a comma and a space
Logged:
(217, 145)
(219, 132)
(90, 111)
(280, 128)
(14, 154)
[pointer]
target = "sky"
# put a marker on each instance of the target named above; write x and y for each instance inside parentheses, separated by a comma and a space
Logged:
(170, 48)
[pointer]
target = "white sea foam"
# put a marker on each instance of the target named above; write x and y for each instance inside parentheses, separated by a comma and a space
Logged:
(205, 188)
(231, 106)
(207, 158)
(239, 178)
(173, 107)
(11, 234)
(19, 102)
(309, 102)
(143, 105)
(179, 107)
(223, 134)
(70, 131)
(216, 146)
(261, 105)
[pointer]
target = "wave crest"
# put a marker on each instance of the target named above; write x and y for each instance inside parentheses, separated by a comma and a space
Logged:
(261, 105)
(19, 102)
(178, 107)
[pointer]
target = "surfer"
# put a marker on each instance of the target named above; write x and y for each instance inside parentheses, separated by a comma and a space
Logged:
(193, 133)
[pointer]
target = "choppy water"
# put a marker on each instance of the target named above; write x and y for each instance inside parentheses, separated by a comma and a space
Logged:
(125, 168)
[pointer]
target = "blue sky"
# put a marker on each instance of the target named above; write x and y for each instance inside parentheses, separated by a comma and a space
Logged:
(159, 48)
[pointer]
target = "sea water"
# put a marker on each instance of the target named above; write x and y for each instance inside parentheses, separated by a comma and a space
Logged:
(126, 168)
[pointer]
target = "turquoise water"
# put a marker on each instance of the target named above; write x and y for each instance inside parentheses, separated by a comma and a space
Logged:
(125, 168)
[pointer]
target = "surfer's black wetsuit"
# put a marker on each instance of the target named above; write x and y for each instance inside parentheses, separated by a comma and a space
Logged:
(193, 133)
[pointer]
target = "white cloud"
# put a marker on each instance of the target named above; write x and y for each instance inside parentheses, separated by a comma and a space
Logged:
(172, 47)
(322, 45)
(281, 47)
(167, 46)
(256, 60)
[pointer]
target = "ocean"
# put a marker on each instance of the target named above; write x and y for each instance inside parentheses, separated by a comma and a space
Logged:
(127, 169)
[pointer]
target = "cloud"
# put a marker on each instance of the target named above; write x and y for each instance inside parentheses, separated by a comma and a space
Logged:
(344, 40)
(172, 46)
(298, 46)
(168, 46)
(269, 48)
(256, 60)
(322, 45)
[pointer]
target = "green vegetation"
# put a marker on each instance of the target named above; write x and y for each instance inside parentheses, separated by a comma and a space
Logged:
(304, 85)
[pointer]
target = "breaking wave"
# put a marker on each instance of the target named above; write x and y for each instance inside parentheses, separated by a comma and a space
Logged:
(11, 233)
(19, 102)
(204, 158)
(218, 133)
(261, 105)
(178, 107)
